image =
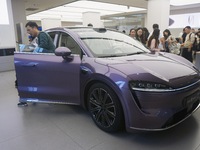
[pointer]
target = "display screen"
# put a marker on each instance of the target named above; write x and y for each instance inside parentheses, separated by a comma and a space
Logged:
(4, 20)
(180, 21)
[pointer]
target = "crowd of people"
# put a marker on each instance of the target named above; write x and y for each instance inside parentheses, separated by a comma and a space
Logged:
(186, 44)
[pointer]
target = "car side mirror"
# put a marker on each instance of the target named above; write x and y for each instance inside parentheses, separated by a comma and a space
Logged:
(62, 51)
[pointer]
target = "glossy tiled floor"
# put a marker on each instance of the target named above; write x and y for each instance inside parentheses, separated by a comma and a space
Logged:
(62, 127)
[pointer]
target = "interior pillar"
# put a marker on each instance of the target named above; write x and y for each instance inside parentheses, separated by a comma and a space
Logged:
(92, 18)
(158, 12)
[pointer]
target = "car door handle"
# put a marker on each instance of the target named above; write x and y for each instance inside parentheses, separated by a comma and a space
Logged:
(29, 65)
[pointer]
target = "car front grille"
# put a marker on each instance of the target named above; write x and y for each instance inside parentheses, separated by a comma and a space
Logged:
(192, 81)
(181, 115)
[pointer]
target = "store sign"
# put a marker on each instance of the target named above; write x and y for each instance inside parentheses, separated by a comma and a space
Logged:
(4, 20)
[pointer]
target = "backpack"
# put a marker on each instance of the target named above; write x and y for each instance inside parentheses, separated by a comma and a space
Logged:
(197, 44)
(194, 45)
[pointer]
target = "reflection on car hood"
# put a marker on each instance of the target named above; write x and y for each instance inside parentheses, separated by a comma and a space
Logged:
(151, 67)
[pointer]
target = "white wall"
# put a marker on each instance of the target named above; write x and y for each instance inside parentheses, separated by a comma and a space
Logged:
(7, 40)
(158, 12)
(93, 18)
(68, 24)
(50, 23)
(7, 33)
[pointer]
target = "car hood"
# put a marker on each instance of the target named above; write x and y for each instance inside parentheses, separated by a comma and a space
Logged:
(155, 68)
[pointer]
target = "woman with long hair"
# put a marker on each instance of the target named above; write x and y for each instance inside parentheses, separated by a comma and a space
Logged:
(153, 41)
(145, 34)
(139, 35)
(170, 44)
(167, 40)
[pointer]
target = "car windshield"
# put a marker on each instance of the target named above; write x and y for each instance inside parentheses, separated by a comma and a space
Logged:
(108, 43)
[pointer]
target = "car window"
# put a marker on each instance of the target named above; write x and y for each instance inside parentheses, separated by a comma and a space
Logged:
(67, 41)
(54, 36)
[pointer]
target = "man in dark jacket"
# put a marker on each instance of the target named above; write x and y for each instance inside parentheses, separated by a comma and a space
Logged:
(45, 43)
(187, 45)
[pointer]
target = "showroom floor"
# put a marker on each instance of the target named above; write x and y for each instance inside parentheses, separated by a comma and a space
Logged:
(62, 127)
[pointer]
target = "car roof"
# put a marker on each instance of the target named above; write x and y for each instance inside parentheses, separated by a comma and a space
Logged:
(83, 29)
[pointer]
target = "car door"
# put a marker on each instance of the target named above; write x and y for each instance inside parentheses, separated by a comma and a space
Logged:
(48, 78)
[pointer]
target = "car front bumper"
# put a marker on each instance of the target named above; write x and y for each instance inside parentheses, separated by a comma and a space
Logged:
(154, 111)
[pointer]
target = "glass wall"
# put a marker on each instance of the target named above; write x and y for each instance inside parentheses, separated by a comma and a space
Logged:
(124, 23)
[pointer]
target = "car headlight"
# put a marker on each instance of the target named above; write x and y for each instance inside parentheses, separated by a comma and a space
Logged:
(149, 86)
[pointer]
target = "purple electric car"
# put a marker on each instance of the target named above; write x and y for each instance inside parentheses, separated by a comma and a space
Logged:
(118, 80)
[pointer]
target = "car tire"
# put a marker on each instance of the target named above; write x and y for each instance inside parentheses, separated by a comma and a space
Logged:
(105, 108)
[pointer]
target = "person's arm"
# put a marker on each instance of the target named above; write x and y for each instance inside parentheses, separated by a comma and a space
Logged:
(169, 39)
(189, 41)
(162, 40)
(38, 50)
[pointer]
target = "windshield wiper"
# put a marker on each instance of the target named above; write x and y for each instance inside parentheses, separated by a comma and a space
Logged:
(113, 55)
(136, 53)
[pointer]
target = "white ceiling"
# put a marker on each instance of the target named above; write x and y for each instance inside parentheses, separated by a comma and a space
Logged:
(73, 11)
(68, 10)
(40, 5)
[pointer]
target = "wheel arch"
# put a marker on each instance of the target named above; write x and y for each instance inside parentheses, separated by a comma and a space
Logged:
(107, 82)
(111, 85)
